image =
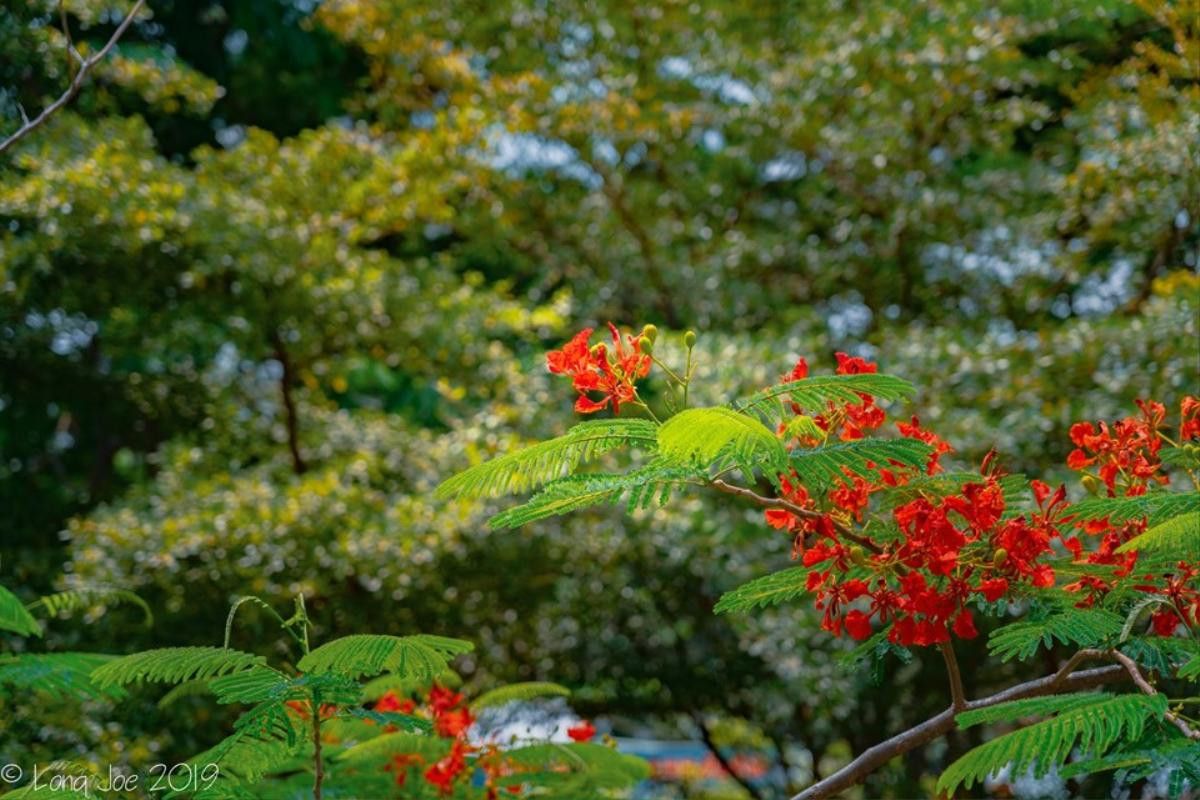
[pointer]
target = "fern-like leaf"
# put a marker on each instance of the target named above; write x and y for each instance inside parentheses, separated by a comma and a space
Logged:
(598, 766)
(813, 394)
(769, 590)
(543, 462)
(73, 601)
(174, 665)
(1179, 534)
(56, 673)
(382, 748)
(647, 486)
(15, 617)
(1157, 507)
(718, 437)
(420, 656)
(1085, 627)
(517, 692)
(1093, 727)
(862, 457)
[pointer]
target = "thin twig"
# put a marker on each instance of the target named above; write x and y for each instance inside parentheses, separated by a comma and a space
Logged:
(76, 83)
(1140, 681)
(726, 764)
(958, 698)
(935, 727)
(787, 505)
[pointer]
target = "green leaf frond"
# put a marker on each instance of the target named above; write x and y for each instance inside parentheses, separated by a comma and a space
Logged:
(1157, 507)
(1085, 627)
(72, 601)
(56, 674)
(645, 487)
(823, 465)
(592, 765)
(15, 617)
(174, 665)
(543, 462)
(1093, 727)
(778, 587)
(407, 722)
(420, 656)
(519, 692)
(717, 437)
(813, 394)
(265, 738)
(1178, 535)
(382, 748)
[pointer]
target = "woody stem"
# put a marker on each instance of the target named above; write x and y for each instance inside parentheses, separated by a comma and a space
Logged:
(958, 697)
(792, 508)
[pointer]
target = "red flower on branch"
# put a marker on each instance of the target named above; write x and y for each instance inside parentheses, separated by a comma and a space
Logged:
(582, 732)
(597, 369)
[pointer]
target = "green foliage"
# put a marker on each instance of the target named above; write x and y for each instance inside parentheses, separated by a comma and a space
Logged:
(644, 487)
(720, 438)
(1157, 507)
(545, 461)
(515, 692)
(73, 601)
(420, 656)
(1085, 627)
(14, 617)
(812, 394)
(579, 767)
(1091, 723)
(778, 587)
(174, 665)
(828, 464)
(1179, 535)
(56, 674)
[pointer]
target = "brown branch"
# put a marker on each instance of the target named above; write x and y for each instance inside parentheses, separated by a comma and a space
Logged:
(1140, 681)
(706, 735)
(958, 698)
(30, 125)
(790, 507)
(318, 760)
(935, 727)
(292, 416)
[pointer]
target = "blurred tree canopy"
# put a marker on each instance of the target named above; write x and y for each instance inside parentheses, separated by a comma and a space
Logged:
(282, 266)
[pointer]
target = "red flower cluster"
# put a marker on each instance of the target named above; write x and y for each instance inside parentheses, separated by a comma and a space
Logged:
(596, 369)
(451, 720)
(1127, 451)
(582, 732)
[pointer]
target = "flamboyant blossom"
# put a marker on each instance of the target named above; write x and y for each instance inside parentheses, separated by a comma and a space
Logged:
(610, 373)
(582, 732)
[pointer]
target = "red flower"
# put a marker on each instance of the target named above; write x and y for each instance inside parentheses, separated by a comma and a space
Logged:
(391, 702)
(993, 589)
(913, 430)
(1164, 622)
(442, 699)
(453, 723)
(1189, 418)
(582, 732)
(400, 764)
(858, 624)
(597, 370)
(444, 772)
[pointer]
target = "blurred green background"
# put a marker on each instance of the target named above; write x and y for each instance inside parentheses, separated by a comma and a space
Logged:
(284, 266)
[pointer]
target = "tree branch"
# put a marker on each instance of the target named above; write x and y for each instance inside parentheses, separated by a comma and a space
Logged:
(958, 698)
(1140, 681)
(30, 125)
(792, 508)
(706, 735)
(875, 757)
(291, 415)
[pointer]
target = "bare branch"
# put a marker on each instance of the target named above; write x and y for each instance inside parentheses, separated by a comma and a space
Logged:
(875, 757)
(792, 508)
(85, 66)
(1140, 681)
(958, 698)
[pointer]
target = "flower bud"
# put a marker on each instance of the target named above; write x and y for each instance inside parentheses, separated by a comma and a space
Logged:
(999, 557)
(650, 332)
(857, 555)
(1090, 483)
(689, 339)
(599, 350)
(645, 344)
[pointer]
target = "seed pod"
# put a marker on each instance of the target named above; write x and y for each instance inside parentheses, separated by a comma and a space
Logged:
(650, 332)
(999, 557)
(689, 339)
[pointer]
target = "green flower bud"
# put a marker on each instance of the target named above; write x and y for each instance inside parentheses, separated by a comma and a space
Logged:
(1000, 557)
(650, 332)
(1090, 483)
(857, 555)
(645, 344)
(689, 339)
